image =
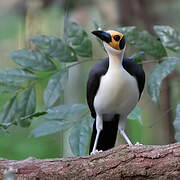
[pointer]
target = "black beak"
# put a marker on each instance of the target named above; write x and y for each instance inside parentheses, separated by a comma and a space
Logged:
(104, 36)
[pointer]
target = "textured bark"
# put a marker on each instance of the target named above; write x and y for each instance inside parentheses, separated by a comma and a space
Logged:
(122, 162)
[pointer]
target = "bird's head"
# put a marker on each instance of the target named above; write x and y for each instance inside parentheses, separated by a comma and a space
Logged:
(114, 41)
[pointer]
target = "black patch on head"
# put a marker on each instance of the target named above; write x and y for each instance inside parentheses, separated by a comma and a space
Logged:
(116, 37)
(122, 43)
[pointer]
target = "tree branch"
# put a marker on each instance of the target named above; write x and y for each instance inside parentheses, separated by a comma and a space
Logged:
(122, 162)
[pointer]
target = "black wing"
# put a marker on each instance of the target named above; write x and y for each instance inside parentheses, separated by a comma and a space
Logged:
(101, 68)
(95, 74)
(135, 70)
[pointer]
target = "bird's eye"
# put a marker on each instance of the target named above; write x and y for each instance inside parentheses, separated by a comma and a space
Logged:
(116, 37)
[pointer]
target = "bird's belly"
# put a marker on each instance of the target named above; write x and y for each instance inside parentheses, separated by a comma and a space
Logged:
(116, 95)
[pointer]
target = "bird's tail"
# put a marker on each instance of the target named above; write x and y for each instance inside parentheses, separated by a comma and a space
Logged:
(107, 137)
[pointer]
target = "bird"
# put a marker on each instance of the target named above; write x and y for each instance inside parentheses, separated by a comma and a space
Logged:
(114, 87)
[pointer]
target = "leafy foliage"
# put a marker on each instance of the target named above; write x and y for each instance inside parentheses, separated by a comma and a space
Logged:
(138, 57)
(66, 112)
(169, 37)
(135, 114)
(78, 39)
(159, 73)
(49, 127)
(63, 116)
(34, 60)
(55, 87)
(47, 60)
(143, 41)
(9, 111)
(27, 105)
(48, 55)
(54, 48)
(80, 137)
(15, 75)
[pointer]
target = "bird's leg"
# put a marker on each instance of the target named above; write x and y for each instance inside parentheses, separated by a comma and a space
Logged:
(125, 137)
(99, 127)
(121, 127)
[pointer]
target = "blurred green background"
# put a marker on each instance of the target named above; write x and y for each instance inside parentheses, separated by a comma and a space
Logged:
(21, 18)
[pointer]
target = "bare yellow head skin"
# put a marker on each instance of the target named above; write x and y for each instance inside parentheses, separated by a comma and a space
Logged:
(115, 39)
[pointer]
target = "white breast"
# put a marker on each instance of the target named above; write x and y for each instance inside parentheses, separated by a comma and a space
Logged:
(117, 94)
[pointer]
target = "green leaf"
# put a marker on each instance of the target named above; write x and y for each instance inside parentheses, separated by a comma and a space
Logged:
(9, 87)
(55, 87)
(15, 75)
(143, 41)
(26, 106)
(2, 129)
(159, 73)
(136, 115)
(130, 33)
(85, 49)
(67, 112)
(50, 127)
(138, 57)
(78, 39)
(147, 43)
(28, 58)
(60, 118)
(27, 102)
(54, 48)
(176, 123)
(169, 37)
(9, 111)
(80, 137)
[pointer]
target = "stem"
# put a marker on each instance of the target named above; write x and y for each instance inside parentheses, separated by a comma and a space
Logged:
(79, 62)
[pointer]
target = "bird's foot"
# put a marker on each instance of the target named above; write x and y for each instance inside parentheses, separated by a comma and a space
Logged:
(138, 144)
(95, 152)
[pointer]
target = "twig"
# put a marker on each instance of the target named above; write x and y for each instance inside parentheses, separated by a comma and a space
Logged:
(79, 62)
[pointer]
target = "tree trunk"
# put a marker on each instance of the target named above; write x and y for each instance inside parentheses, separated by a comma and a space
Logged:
(122, 162)
(166, 107)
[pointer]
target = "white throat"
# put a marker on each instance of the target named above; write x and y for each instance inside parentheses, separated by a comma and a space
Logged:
(115, 57)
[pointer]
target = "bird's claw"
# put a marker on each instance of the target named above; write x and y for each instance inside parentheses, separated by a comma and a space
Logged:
(95, 152)
(138, 144)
